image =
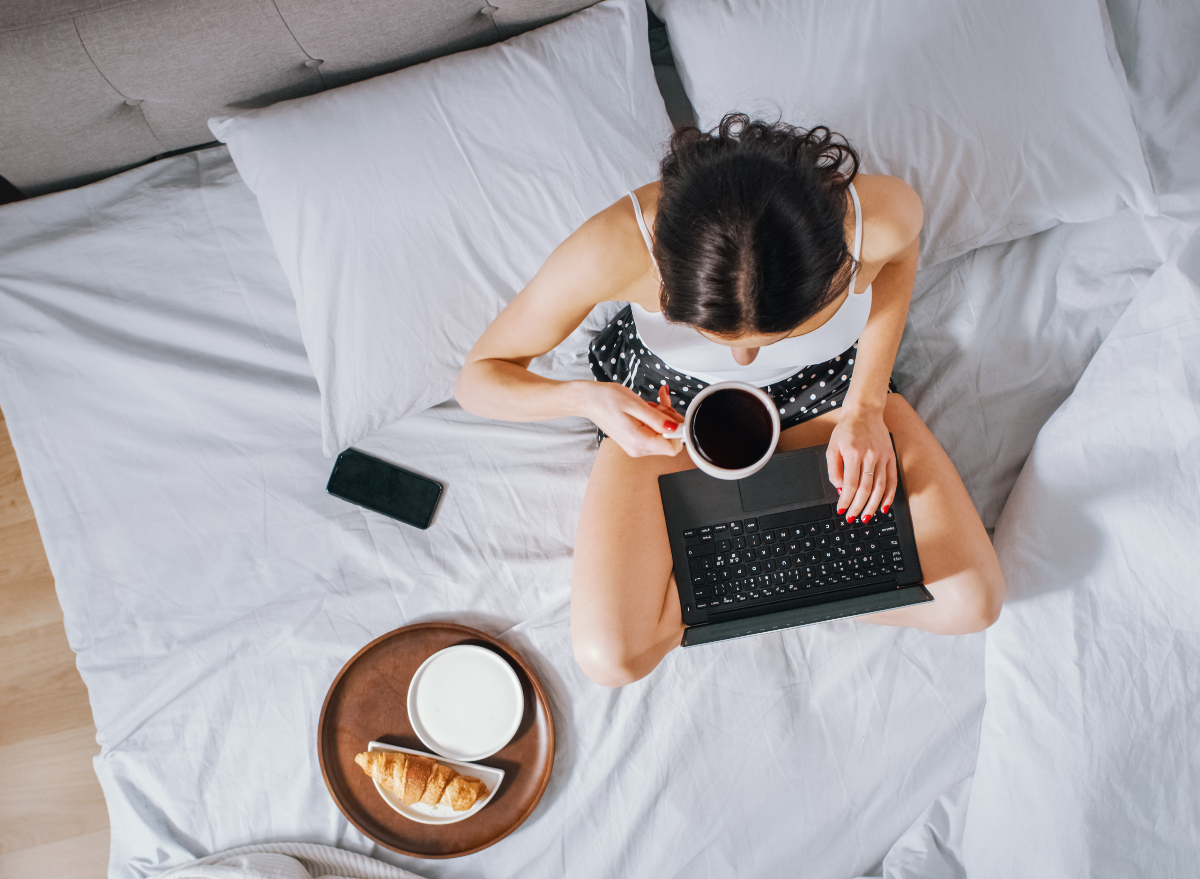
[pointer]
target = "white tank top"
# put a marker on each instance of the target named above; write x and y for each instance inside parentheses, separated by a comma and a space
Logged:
(687, 351)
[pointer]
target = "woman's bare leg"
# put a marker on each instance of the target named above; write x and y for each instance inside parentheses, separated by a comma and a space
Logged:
(625, 614)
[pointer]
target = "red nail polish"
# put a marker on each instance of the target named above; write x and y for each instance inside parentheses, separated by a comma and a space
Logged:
(885, 509)
(842, 511)
(839, 491)
(849, 520)
(669, 425)
(866, 518)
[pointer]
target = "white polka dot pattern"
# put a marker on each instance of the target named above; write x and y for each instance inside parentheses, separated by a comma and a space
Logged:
(631, 364)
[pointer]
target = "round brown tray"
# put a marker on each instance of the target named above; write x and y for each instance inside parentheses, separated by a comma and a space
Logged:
(368, 702)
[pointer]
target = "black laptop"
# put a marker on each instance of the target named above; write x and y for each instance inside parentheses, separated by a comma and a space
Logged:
(770, 551)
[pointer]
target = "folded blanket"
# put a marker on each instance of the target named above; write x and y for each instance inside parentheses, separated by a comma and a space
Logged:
(287, 860)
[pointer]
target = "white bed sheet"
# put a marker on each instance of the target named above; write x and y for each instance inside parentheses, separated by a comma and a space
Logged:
(1159, 46)
(167, 424)
(1089, 763)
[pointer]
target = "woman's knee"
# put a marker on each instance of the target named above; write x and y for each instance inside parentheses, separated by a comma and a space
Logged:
(975, 601)
(607, 661)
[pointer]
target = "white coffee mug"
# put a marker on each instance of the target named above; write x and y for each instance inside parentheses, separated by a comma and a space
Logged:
(684, 431)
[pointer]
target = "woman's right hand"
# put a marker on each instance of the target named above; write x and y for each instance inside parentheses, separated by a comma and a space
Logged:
(636, 425)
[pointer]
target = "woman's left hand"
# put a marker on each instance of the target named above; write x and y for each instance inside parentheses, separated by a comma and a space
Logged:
(862, 464)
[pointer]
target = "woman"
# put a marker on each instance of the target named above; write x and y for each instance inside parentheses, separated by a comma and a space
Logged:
(770, 261)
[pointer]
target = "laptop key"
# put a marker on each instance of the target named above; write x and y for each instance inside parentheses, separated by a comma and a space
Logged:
(735, 527)
(751, 524)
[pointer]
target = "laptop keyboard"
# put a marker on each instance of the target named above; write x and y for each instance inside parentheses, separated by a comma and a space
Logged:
(782, 555)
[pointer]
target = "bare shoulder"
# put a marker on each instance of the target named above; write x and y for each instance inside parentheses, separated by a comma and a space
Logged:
(607, 254)
(892, 216)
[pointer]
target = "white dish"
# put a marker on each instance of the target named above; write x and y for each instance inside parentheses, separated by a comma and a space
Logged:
(465, 702)
(439, 814)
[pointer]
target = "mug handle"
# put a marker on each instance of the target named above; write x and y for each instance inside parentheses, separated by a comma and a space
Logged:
(677, 433)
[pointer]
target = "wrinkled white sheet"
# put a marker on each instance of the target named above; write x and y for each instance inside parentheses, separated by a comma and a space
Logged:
(1089, 763)
(997, 338)
(167, 425)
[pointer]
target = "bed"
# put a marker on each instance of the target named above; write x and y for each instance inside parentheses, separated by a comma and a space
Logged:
(170, 416)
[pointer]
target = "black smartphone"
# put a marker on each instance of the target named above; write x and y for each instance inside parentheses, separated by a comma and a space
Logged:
(385, 488)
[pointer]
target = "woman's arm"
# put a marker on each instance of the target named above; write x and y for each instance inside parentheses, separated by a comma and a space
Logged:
(860, 443)
(595, 264)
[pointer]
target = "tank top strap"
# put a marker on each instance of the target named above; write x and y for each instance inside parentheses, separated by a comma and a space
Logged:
(641, 221)
(858, 226)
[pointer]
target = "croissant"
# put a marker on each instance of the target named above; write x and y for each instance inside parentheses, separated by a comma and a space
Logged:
(422, 779)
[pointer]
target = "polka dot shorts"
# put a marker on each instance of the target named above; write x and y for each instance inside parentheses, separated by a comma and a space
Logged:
(617, 354)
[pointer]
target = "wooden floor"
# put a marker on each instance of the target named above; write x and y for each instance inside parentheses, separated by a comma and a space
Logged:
(53, 822)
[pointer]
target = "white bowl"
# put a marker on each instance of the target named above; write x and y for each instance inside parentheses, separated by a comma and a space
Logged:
(465, 702)
(423, 814)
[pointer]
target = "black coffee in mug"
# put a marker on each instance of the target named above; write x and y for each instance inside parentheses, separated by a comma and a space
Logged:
(731, 429)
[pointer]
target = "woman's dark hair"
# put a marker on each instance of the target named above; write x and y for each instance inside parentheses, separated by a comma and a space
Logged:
(750, 230)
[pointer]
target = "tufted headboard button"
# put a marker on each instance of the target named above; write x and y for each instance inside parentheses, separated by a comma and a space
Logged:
(489, 10)
(314, 62)
(133, 102)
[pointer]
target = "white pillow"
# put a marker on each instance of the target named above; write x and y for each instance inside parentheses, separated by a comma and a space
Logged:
(408, 209)
(1006, 117)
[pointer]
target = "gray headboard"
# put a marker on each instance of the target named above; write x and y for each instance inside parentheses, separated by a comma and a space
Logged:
(91, 87)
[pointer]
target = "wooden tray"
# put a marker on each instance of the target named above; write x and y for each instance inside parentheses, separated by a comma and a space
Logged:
(367, 703)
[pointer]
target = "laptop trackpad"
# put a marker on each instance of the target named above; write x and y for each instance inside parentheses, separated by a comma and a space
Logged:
(785, 480)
